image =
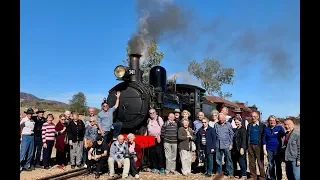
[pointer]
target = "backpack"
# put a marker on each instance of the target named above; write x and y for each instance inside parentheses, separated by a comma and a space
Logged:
(156, 119)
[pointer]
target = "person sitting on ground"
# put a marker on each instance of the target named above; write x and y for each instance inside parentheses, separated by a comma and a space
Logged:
(97, 155)
(135, 153)
(90, 134)
(118, 153)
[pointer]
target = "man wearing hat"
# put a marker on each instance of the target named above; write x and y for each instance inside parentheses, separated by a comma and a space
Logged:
(27, 142)
(39, 121)
(237, 111)
(177, 115)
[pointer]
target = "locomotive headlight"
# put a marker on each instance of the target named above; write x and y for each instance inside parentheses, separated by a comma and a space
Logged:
(119, 71)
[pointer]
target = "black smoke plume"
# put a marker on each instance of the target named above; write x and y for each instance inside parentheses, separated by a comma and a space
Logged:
(182, 29)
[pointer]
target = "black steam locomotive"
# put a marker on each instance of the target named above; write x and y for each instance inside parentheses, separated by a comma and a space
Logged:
(137, 97)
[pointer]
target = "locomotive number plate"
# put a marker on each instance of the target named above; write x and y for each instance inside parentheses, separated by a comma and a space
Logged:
(132, 71)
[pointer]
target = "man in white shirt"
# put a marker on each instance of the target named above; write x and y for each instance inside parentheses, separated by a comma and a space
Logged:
(27, 140)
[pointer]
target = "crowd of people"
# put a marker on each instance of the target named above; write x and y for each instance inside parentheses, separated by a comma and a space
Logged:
(181, 144)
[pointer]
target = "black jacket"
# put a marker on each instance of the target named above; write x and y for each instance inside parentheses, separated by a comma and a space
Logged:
(38, 125)
(76, 131)
(239, 138)
(211, 138)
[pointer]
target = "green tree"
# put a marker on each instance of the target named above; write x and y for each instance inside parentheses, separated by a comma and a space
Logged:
(78, 103)
(212, 76)
(153, 58)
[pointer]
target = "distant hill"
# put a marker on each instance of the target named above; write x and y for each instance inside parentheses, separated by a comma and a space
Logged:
(30, 100)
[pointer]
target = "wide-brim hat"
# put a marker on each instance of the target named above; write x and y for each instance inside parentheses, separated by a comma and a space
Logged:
(29, 111)
(40, 110)
(237, 110)
(185, 111)
(177, 111)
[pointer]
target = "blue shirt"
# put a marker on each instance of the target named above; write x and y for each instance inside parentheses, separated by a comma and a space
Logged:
(197, 124)
(272, 137)
(105, 119)
(91, 132)
(254, 134)
(224, 135)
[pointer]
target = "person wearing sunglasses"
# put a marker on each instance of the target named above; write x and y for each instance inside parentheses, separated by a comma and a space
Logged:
(61, 142)
(90, 136)
(105, 117)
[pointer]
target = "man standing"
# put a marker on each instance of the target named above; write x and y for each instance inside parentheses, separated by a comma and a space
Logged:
(177, 115)
(170, 137)
(224, 144)
(105, 117)
(255, 151)
(292, 151)
(39, 121)
(91, 114)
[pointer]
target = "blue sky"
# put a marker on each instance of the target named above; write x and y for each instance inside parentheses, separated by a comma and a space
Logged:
(72, 46)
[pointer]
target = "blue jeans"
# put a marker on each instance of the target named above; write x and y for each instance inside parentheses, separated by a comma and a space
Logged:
(274, 164)
(47, 153)
(229, 165)
(26, 151)
(116, 129)
(208, 163)
(292, 170)
(37, 150)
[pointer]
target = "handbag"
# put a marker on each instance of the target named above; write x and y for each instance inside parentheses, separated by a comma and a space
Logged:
(193, 146)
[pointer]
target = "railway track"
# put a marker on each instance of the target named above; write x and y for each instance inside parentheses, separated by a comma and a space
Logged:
(82, 171)
(66, 175)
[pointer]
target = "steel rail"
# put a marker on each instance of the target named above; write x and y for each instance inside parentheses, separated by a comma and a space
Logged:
(218, 176)
(71, 175)
(62, 174)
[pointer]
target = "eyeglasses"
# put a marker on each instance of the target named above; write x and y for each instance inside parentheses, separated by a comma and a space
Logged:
(105, 106)
(63, 119)
(204, 122)
(90, 121)
(151, 112)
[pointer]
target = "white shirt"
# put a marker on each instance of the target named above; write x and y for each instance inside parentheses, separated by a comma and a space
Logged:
(27, 126)
(211, 123)
(233, 124)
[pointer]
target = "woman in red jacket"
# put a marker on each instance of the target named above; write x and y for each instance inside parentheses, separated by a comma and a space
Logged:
(135, 155)
(61, 142)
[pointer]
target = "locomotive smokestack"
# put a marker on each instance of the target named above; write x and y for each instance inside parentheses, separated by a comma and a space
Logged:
(134, 64)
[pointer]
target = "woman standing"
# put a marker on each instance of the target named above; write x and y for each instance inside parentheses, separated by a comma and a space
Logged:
(61, 143)
(271, 140)
(185, 146)
(214, 118)
(185, 116)
(90, 136)
(48, 138)
(239, 148)
(76, 130)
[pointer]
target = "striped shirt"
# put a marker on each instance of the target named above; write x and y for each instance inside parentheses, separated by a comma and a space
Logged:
(48, 132)
(203, 136)
(169, 132)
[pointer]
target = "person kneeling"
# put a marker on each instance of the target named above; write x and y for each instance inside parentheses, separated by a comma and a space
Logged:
(97, 155)
(118, 152)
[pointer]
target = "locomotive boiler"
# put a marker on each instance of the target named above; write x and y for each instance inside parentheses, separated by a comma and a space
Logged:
(137, 97)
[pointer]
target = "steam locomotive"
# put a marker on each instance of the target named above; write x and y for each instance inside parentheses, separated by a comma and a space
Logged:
(137, 97)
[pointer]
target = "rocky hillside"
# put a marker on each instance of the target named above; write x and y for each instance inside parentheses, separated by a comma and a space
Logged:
(29, 100)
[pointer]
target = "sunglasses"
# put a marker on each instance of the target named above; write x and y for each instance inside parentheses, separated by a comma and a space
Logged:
(90, 121)
(204, 122)
(63, 119)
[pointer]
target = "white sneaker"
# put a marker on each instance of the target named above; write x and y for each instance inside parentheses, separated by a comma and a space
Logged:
(85, 166)
(137, 176)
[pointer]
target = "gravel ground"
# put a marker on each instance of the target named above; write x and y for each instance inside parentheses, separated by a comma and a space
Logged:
(39, 173)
